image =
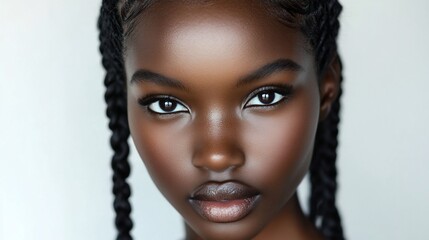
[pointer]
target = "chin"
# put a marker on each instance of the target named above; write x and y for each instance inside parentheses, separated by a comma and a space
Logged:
(221, 234)
(239, 230)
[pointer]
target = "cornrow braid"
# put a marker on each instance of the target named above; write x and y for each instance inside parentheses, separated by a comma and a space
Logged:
(115, 97)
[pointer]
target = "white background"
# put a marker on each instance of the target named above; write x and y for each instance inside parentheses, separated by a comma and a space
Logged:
(54, 159)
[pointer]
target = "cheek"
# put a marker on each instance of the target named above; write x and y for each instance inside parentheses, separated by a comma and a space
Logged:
(280, 147)
(163, 147)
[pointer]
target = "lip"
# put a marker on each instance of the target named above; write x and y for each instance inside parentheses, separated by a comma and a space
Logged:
(224, 202)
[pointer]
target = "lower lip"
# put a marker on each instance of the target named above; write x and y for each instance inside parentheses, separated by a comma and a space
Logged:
(225, 211)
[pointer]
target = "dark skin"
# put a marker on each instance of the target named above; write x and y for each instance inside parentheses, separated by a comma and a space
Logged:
(212, 117)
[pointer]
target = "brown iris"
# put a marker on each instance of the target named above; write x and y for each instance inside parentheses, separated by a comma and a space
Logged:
(167, 105)
(266, 97)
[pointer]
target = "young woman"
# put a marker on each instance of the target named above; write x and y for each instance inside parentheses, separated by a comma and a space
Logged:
(229, 103)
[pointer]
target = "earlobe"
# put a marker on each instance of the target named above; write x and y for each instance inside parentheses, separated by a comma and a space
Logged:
(329, 87)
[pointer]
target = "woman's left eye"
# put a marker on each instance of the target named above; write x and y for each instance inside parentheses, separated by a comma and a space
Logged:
(265, 98)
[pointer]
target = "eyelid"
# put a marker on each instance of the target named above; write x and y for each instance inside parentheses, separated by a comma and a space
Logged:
(283, 89)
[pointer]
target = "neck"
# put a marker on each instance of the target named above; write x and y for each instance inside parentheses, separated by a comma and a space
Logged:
(290, 223)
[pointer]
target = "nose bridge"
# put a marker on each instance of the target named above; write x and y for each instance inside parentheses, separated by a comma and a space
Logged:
(217, 146)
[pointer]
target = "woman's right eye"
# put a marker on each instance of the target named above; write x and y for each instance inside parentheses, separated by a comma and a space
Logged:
(164, 105)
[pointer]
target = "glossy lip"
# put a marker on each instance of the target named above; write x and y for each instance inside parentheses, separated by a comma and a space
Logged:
(224, 202)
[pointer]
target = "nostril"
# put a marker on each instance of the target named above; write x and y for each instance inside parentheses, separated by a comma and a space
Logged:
(218, 162)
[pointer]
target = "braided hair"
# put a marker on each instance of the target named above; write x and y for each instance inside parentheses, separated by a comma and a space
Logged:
(114, 81)
(317, 20)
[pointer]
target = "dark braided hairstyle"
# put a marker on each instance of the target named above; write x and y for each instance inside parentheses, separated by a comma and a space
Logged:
(111, 50)
(318, 21)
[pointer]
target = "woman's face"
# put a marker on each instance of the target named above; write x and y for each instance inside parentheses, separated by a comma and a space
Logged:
(223, 106)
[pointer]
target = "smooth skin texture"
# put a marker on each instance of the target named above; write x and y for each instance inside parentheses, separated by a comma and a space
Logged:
(220, 122)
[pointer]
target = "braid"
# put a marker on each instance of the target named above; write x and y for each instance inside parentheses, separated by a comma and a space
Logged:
(323, 173)
(115, 97)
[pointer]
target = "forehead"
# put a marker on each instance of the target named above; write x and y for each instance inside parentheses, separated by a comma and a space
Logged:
(185, 35)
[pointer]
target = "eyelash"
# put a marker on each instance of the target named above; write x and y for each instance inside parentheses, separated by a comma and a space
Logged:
(148, 101)
(281, 92)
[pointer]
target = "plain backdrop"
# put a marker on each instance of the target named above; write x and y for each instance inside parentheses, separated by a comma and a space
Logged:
(55, 177)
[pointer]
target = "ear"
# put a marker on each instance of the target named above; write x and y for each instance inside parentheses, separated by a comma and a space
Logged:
(329, 87)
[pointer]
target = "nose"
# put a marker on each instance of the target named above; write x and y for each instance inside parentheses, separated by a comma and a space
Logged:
(217, 146)
(218, 157)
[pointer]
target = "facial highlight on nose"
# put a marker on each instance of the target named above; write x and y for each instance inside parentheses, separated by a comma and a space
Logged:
(217, 146)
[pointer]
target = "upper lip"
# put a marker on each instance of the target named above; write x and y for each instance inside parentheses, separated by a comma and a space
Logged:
(226, 191)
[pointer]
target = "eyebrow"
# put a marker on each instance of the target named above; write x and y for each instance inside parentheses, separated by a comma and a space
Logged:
(144, 75)
(282, 64)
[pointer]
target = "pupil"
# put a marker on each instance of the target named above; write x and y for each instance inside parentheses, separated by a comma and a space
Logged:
(167, 105)
(266, 97)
